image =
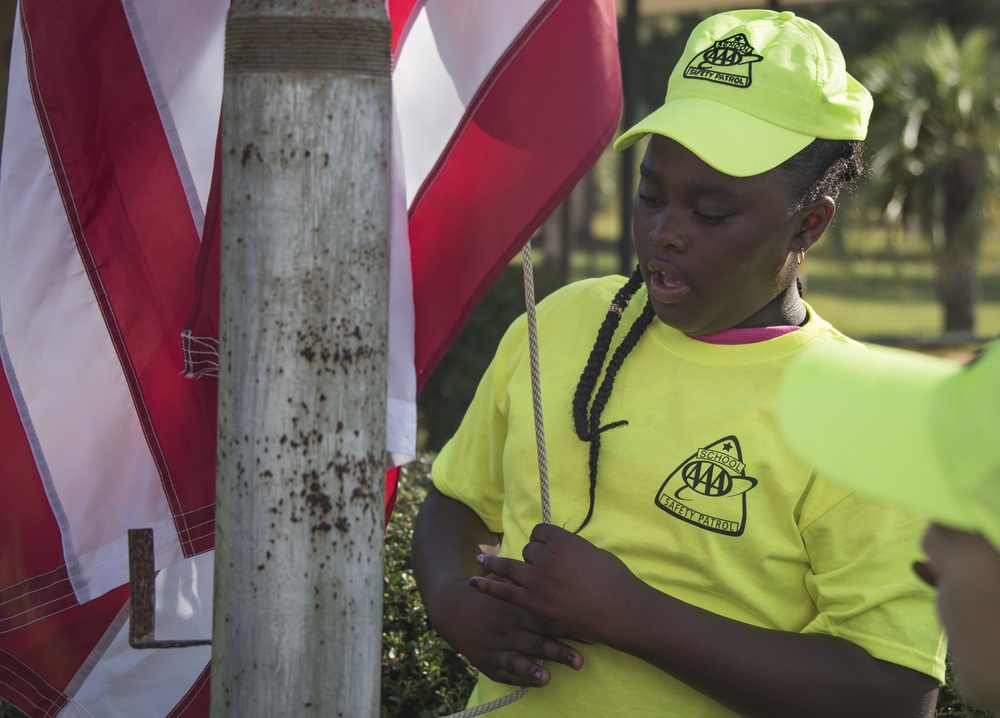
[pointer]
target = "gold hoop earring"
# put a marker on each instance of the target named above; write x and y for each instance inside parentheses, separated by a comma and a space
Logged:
(800, 255)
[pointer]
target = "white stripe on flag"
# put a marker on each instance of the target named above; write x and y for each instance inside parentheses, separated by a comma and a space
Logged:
(451, 48)
(401, 400)
(121, 681)
(181, 54)
(79, 405)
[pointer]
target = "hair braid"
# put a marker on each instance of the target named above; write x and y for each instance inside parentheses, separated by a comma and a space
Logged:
(591, 372)
(588, 428)
(623, 350)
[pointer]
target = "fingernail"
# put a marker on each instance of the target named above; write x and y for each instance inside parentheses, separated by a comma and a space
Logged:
(537, 676)
(569, 660)
(474, 582)
(480, 558)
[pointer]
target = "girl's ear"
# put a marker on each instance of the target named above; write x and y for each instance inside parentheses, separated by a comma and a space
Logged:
(815, 217)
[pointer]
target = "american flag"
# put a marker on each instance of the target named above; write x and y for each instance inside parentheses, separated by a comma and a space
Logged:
(109, 223)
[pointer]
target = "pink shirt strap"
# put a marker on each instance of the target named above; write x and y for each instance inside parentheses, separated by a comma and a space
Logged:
(748, 335)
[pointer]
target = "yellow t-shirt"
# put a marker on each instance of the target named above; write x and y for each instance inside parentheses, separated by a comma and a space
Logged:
(697, 495)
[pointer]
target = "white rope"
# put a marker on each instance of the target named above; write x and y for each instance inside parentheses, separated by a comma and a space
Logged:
(491, 706)
(536, 388)
(543, 469)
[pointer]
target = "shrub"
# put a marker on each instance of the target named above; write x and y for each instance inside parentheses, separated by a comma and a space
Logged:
(422, 676)
(950, 703)
(449, 389)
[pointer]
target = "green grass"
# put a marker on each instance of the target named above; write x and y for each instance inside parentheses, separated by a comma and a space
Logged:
(871, 297)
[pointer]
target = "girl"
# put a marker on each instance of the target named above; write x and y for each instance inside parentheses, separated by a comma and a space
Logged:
(702, 569)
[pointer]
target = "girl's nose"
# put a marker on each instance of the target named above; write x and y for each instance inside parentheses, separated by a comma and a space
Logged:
(666, 232)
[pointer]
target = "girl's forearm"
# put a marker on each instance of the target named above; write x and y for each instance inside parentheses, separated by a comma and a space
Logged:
(446, 538)
(768, 673)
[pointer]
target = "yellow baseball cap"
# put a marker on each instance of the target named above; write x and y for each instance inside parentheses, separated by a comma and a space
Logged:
(916, 431)
(753, 88)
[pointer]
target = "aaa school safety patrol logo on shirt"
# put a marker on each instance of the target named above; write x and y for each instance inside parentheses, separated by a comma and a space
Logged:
(709, 489)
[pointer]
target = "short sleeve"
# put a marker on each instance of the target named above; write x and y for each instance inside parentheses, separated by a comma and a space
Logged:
(470, 466)
(861, 553)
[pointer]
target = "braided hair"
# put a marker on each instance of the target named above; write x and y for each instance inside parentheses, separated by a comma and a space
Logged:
(587, 413)
(823, 167)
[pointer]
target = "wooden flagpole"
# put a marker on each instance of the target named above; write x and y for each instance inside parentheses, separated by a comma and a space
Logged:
(298, 577)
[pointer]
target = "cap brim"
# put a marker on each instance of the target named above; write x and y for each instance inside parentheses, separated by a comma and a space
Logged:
(725, 138)
(869, 419)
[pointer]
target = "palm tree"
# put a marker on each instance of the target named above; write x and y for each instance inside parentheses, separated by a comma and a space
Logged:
(936, 132)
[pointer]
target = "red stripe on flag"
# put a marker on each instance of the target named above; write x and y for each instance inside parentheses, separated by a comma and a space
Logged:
(203, 322)
(536, 126)
(32, 569)
(401, 15)
(31, 557)
(197, 701)
(39, 661)
(36, 597)
(23, 688)
(391, 491)
(133, 228)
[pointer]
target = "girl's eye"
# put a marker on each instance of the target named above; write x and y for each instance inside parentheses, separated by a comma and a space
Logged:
(649, 199)
(711, 218)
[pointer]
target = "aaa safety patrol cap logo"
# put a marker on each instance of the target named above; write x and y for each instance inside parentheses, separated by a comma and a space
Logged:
(709, 489)
(728, 62)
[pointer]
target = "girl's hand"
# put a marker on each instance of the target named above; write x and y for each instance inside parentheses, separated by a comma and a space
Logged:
(499, 639)
(579, 590)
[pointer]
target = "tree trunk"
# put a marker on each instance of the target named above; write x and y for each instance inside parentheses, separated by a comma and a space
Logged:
(628, 29)
(301, 444)
(581, 214)
(957, 289)
(958, 284)
(555, 233)
(567, 228)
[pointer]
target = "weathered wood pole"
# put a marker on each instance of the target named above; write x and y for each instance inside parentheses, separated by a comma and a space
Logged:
(302, 381)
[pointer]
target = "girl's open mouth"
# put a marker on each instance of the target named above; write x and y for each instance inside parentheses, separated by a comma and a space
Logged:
(666, 288)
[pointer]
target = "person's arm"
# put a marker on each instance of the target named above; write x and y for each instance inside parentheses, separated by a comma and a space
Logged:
(499, 639)
(589, 593)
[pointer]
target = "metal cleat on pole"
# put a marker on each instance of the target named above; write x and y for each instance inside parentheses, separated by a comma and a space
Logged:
(142, 595)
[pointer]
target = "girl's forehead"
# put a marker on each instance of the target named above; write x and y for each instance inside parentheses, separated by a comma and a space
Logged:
(666, 160)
